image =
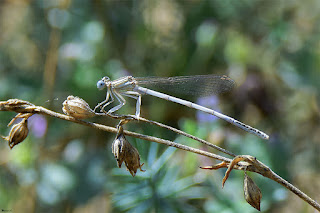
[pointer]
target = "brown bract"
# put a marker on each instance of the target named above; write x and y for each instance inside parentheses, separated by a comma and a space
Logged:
(124, 151)
(77, 108)
(17, 133)
(252, 193)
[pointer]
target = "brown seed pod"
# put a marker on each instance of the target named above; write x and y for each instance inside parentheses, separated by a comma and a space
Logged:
(132, 160)
(17, 133)
(118, 149)
(252, 192)
(77, 108)
(124, 151)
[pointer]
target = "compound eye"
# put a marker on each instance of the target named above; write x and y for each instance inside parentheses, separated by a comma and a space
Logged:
(105, 78)
(101, 85)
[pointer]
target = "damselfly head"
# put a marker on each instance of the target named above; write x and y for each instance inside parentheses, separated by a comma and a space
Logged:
(101, 84)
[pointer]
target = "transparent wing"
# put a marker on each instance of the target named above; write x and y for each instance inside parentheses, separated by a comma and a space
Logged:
(197, 85)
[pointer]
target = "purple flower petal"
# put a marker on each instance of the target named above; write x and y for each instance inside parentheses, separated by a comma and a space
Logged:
(209, 102)
(38, 125)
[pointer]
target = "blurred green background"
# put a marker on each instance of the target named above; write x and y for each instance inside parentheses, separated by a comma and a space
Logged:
(52, 49)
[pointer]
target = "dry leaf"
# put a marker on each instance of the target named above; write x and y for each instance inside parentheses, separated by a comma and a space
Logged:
(252, 192)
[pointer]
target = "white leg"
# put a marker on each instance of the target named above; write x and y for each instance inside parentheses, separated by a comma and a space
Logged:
(119, 98)
(111, 101)
(136, 96)
(105, 102)
(138, 104)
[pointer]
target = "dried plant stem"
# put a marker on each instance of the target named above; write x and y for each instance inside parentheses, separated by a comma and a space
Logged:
(26, 107)
(174, 130)
(247, 163)
(296, 191)
(258, 167)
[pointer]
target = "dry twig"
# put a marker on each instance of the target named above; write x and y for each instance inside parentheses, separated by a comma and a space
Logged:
(241, 162)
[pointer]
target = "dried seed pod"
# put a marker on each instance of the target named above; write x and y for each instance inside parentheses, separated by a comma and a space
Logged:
(77, 108)
(132, 160)
(252, 192)
(17, 133)
(118, 148)
(124, 151)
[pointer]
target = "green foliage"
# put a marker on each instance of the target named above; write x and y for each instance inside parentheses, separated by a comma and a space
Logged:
(160, 188)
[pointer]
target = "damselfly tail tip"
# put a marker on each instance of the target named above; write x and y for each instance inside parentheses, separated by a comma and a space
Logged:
(264, 136)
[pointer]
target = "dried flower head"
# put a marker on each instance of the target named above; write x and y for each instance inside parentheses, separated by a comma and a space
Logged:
(252, 192)
(118, 150)
(132, 160)
(124, 151)
(17, 133)
(77, 108)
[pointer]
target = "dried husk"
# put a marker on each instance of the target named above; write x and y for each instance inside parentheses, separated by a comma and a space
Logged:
(117, 149)
(18, 133)
(124, 151)
(252, 192)
(132, 159)
(77, 108)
